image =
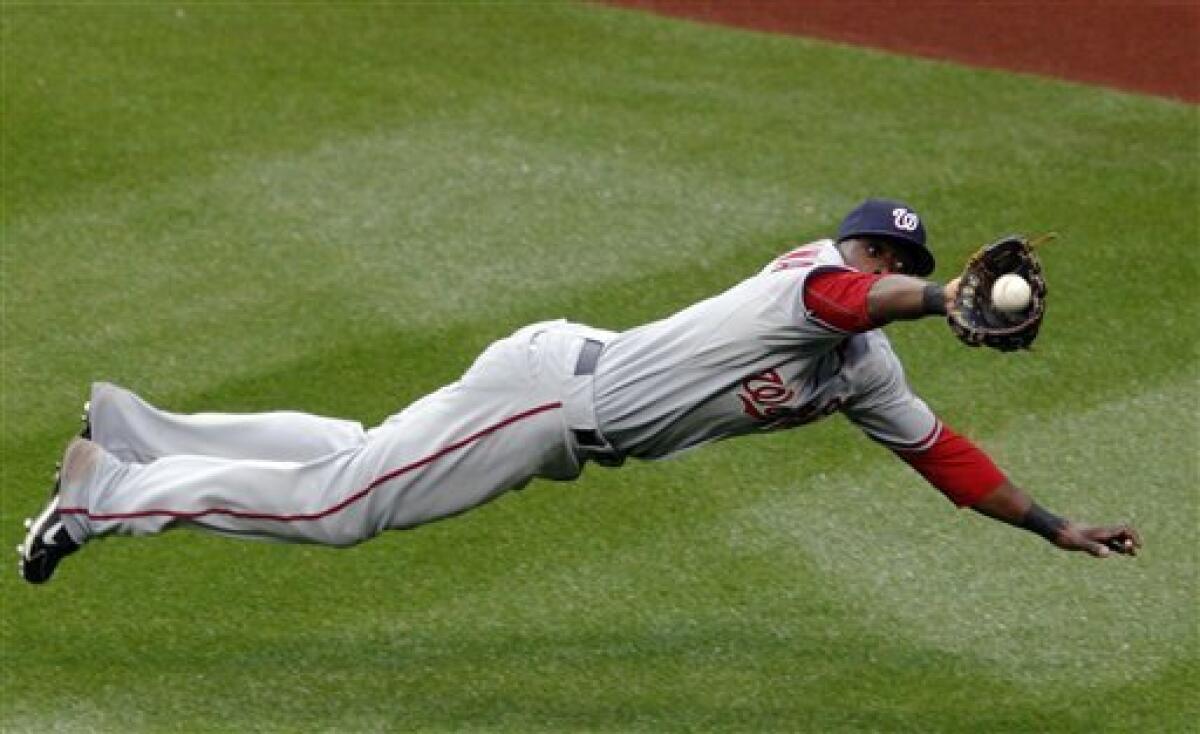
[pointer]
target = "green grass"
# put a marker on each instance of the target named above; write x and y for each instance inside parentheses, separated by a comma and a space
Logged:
(334, 208)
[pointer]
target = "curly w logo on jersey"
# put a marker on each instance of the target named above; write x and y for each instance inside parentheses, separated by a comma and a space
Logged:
(765, 398)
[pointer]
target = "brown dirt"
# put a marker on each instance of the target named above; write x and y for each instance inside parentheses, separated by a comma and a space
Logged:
(1151, 46)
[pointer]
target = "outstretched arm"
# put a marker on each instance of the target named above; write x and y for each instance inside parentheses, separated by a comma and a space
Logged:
(1009, 504)
(969, 478)
(900, 298)
(857, 302)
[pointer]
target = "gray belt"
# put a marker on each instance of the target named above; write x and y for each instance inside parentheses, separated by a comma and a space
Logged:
(588, 438)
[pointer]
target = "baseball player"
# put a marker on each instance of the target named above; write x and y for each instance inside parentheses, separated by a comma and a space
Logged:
(794, 343)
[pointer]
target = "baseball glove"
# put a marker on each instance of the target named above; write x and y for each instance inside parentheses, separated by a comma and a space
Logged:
(975, 320)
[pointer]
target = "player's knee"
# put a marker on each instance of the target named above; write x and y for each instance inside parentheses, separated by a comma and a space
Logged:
(346, 535)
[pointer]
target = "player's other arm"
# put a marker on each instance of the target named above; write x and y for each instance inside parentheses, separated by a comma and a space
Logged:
(969, 478)
(856, 302)
(1008, 503)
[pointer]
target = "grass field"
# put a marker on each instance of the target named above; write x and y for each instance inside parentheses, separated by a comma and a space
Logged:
(334, 208)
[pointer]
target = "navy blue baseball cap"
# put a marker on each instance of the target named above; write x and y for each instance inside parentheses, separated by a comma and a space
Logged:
(891, 220)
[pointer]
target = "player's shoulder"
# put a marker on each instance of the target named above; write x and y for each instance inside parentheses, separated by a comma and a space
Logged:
(806, 258)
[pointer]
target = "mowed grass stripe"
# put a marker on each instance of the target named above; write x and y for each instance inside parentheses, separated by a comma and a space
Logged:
(334, 209)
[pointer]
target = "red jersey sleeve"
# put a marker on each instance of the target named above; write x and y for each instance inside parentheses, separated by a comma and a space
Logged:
(957, 467)
(839, 298)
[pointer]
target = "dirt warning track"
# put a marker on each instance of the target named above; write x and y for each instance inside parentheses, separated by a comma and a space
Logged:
(1152, 46)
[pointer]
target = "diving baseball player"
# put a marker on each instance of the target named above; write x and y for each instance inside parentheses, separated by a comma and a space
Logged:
(794, 343)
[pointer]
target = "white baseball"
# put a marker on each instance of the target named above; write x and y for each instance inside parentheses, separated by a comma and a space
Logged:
(1011, 293)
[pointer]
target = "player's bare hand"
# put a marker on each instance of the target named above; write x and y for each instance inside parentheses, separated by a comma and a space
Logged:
(1100, 541)
(950, 290)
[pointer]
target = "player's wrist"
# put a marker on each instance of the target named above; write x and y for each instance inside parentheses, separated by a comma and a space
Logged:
(933, 299)
(1041, 521)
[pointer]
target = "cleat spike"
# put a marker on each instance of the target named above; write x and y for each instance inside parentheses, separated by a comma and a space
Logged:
(28, 522)
(86, 419)
(20, 549)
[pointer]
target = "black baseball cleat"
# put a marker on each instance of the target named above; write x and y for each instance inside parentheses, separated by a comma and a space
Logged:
(46, 542)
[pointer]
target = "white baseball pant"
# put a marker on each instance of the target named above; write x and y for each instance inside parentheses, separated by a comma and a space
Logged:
(302, 478)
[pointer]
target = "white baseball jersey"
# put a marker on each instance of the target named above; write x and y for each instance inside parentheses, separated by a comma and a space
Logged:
(753, 359)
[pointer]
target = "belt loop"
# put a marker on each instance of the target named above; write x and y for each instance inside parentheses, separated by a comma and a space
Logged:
(589, 356)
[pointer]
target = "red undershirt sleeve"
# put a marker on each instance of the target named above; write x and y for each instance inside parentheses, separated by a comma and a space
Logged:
(957, 467)
(839, 298)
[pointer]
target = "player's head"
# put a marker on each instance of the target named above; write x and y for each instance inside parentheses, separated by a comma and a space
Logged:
(890, 225)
